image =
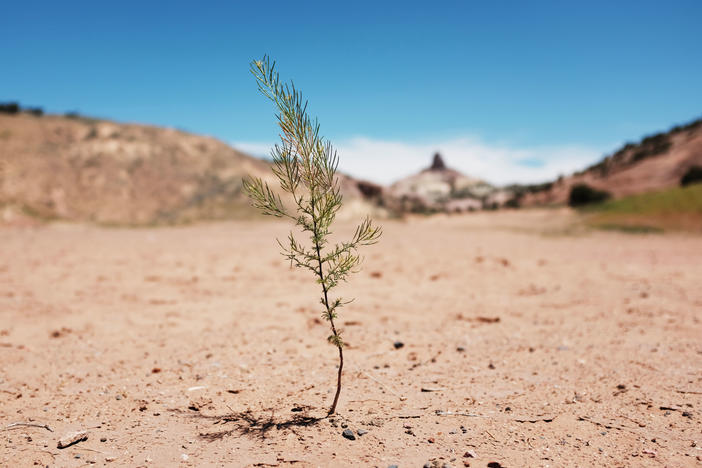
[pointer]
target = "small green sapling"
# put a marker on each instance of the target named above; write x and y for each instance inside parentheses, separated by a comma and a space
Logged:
(306, 164)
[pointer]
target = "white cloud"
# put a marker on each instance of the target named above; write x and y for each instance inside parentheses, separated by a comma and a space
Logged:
(386, 161)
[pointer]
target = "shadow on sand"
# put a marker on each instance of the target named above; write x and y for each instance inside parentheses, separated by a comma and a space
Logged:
(251, 424)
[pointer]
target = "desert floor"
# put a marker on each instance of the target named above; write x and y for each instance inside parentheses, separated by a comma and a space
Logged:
(527, 342)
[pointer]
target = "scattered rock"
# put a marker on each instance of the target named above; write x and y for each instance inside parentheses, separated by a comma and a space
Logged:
(348, 434)
(470, 454)
(103, 439)
(398, 344)
(118, 397)
(436, 464)
(491, 366)
(60, 333)
(376, 274)
(460, 349)
(431, 440)
(487, 319)
(184, 456)
(296, 409)
(494, 465)
(361, 432)
(72, 438)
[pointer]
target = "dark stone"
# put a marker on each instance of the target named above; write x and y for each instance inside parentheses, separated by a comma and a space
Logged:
(398, 344)
(437, 163)
(361, 432)
(348, 434)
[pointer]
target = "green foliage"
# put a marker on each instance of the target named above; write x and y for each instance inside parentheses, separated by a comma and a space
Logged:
(9, 107)
(692, 176)
(583, 194)
(670, 201)
(677, 208)
(15, 108)
(305, 165)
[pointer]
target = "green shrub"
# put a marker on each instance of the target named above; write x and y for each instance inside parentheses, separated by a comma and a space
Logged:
(692, 176)
(583, 194)
(9, 107)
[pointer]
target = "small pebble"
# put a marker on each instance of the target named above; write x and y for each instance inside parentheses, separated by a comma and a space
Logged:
(103, 439)
(348, 434)
(398, 344)
(118, 397)
(460, 349)
(361, 432)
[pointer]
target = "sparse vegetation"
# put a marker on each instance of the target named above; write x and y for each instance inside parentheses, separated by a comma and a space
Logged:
(692, 176)
(305, 165)
(15, 108)
(583, 194)
(676, 208)
(9, 107)
(652, 146)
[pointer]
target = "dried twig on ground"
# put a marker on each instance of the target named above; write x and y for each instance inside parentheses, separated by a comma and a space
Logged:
(402, 398)
(28, 424)
(454, 413)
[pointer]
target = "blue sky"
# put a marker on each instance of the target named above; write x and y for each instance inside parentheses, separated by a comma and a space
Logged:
(508, 91)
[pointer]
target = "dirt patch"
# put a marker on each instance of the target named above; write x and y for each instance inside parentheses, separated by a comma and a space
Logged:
(584, 351)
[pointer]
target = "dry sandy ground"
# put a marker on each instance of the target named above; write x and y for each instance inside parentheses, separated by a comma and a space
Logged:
(191, 346)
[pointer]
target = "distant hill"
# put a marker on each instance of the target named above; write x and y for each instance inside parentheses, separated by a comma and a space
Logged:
(82, 169)
(440, 188)
(657, 162)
